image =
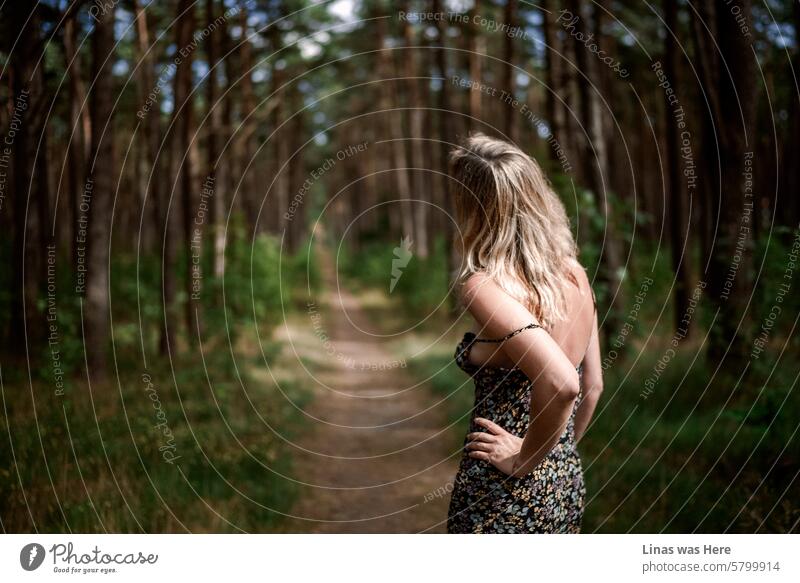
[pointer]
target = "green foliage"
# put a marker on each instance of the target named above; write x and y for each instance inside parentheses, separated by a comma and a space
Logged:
(680, 460)
(777, 265)
(259, 286)
(101, 444)
(590, 226)
(253, 285)
(422, 286)
(106, 455)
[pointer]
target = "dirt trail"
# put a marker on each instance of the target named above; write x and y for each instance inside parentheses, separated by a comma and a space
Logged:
(376, 450)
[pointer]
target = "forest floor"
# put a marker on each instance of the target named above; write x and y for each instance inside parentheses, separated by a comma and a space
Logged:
(378, 456)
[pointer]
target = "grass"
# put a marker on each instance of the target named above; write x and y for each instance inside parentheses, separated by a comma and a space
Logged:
(198, 443)
(94, 460)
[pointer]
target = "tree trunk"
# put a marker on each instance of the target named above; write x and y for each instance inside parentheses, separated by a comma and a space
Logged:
(707, 158)
(46, 234)
(790, 173)
(223, 176)
(573, 132)
(679, 219)
(396, 134)
(552, 75)
(297, 173)
(150, 119)
(729, 267)
(186, 156)
(102, 178)
(446, 140)
(415, 117)
(279, 194)
(477, 47)
(247, 149)
(179, 174)
(26, 112)
(596, 167)
(79, 127)
(510, 121)
(215, 172)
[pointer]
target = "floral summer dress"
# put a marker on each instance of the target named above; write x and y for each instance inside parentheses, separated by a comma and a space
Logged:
(548, 500)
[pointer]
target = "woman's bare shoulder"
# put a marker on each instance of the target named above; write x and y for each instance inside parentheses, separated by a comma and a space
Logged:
(489, 303)
(481, 287)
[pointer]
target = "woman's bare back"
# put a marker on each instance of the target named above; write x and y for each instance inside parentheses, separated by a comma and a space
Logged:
(572, 334)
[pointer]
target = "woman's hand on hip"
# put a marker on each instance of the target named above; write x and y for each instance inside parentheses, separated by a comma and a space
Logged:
(496, 446)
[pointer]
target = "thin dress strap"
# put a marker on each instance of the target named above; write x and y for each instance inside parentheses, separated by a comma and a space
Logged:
(530, 326)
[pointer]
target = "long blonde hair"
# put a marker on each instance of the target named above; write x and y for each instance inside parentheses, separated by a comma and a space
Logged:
(513, 226)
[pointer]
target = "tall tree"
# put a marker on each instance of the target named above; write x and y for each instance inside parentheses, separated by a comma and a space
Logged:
(101, 176)
(731, 94)
(215, 172)
(180, 177)
(222, 171)
(570, 80)
(415, 117)
(395, 125)
(552, 75)
(596, 162)
(245, 140)
(281, 95)
(25, 89)
(186, 154)
(446, 137)
(679, 219)
(297, 172)
(510, 121)
(79, 120)
(477, 48)
(790, 173)
(150, 114)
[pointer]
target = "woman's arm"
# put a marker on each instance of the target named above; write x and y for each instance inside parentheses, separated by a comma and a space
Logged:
(592, 384)
(545, 364)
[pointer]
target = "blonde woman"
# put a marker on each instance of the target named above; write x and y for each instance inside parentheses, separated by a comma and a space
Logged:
(535, 357)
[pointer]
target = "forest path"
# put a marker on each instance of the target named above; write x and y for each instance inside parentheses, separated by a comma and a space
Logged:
(377, 457)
